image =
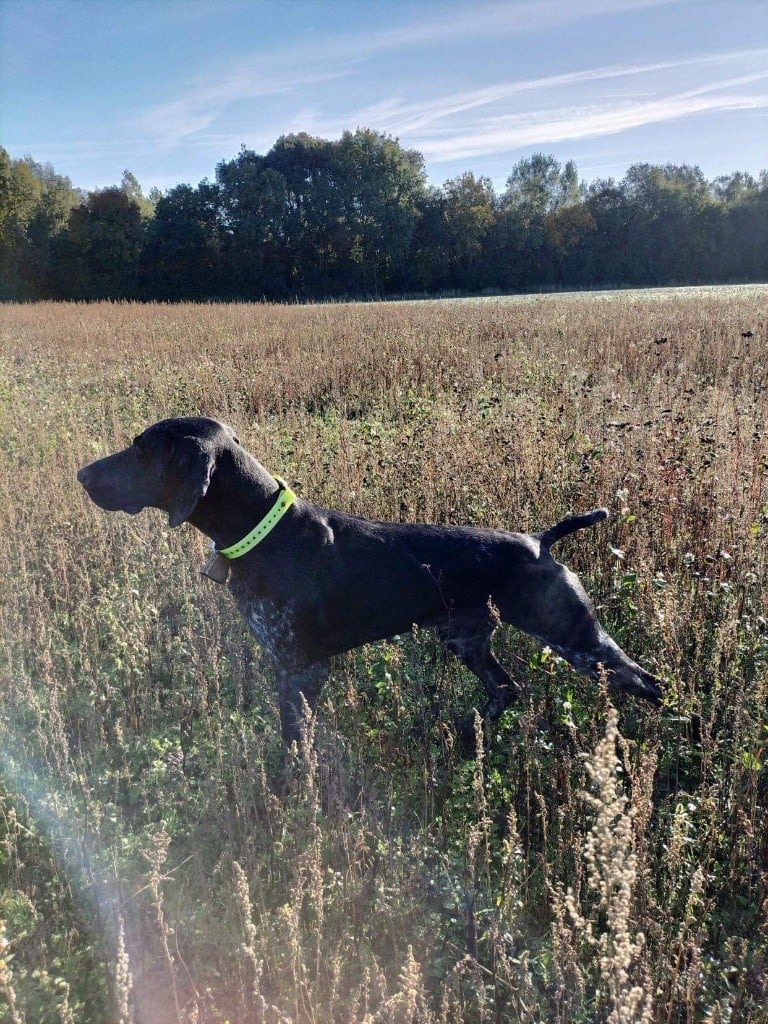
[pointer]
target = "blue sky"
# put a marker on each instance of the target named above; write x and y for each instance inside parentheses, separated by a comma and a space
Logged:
(169, 88)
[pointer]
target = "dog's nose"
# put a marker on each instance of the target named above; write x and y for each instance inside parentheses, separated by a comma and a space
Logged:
(83, 475)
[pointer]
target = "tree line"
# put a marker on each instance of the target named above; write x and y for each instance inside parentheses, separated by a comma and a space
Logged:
(317, 218)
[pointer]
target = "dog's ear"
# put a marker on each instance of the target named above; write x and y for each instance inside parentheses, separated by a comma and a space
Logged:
(190, 475)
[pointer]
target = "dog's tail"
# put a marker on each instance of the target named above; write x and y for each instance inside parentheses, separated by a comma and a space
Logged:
(569, 525)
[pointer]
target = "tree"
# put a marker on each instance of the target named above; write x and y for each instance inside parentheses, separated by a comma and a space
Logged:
(98, 254)
(35, 203)
(315, 217)
(20, 192)
(258, 238)
(743, 245)
(129, 185)
(315, 234)
(182, 254)
(569, 232)
(469, 214)
(674, 222)
(382, 186)
(538, 185)
(734, 188)
(610, 257)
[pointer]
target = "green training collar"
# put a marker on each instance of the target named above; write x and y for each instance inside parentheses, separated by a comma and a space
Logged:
(285, 499)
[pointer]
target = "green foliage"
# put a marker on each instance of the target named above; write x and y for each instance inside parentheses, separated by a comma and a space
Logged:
(35, 203)
(100, 250)
(183, 247)
(539, 185)
(319, 218)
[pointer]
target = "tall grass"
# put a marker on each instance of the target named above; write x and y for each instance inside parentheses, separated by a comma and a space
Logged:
(163, 859)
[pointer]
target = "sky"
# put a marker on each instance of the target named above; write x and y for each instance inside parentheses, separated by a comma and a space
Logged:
(168, 88)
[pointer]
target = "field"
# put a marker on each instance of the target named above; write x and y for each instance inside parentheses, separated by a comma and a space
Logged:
(163, 859)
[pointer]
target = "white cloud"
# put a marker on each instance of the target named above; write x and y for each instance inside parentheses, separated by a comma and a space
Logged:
(206, 98)
(214, 112)
(477, 122)
(439, 22)
(201, 107)
(405, 118)
(534, 128)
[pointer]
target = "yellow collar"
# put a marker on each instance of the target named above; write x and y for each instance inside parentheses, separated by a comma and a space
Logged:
(285, 499)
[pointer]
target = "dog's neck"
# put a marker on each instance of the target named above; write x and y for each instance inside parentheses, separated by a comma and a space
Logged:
(226, 521)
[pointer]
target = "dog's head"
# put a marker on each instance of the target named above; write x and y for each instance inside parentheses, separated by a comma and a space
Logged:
(169, 466)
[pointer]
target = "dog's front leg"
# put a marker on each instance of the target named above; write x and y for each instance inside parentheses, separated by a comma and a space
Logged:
(298, 692)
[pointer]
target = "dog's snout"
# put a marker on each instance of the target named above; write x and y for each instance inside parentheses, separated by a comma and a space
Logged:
(84, 475)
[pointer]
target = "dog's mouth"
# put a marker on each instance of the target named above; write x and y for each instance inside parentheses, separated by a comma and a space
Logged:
(108, 502)
(115, 505)
(109, 505)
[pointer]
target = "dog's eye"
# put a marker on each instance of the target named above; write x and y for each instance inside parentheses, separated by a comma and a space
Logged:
(236, 439)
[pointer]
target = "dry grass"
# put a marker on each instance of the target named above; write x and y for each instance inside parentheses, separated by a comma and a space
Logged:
(162, 859)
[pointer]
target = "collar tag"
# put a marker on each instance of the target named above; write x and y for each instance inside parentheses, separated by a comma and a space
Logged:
(216, 568)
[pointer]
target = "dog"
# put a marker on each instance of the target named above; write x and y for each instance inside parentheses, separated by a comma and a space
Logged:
(313, 582)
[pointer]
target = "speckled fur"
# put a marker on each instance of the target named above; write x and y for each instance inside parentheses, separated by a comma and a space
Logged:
(272, 627)
(299, 680)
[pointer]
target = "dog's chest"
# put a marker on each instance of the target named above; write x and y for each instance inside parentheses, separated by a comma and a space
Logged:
(271, 625)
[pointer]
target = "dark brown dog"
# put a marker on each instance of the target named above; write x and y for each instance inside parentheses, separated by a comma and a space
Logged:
(322, 582)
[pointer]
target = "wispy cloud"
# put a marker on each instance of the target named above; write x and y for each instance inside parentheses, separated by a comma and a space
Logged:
(539, 127)
(477, 122)
(201, 107)
(407, 118)
(206, 98)
(324, 84)
(440, 22)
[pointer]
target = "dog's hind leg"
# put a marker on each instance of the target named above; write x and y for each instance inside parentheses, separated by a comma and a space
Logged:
(471, 643)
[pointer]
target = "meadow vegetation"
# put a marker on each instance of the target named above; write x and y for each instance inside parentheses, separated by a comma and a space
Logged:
(163, 859)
